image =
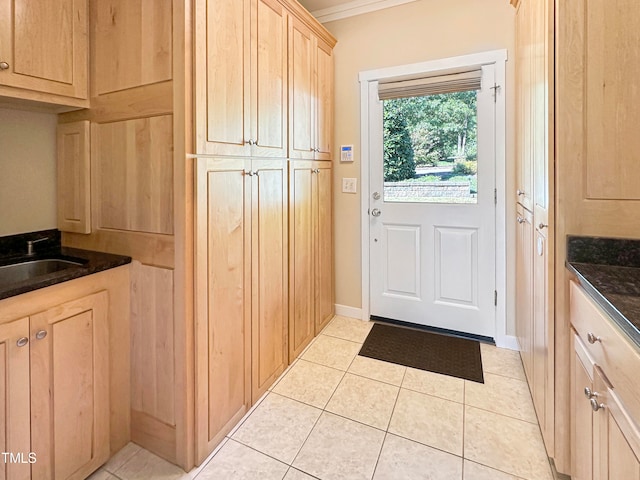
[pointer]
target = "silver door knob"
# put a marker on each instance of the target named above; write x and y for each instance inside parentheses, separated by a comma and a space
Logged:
(376, 195)
(4, 66)
(595, 406)
(22, 341)
(591, 338)
(41, 334)
(376, 212)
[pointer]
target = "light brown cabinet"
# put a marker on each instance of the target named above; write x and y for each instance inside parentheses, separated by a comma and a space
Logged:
(311, 94)
(524, 287)
(74, 178)
(535, 246)
(55, 366)
(241, 289)
(241, 80)
(15, 436)
(70, 388)
(44, 48)
(310, 245)
(605, 398)
(605, 438)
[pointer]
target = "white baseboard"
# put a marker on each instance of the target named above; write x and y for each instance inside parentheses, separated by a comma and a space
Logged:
(351, 312)
(508, 341)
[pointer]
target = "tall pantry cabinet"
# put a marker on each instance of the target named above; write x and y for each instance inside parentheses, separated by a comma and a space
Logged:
(577, 163)
(534, 205)
(193, 105)
(251, 101)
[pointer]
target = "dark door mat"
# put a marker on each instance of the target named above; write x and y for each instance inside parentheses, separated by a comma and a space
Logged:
(456, 357)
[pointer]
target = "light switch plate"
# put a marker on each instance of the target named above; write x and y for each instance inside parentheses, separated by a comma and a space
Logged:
(349, 185)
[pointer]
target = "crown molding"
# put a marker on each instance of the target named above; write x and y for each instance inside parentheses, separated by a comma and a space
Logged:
(353, 8)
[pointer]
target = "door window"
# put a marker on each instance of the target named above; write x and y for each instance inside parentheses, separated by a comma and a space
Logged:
(430, 148)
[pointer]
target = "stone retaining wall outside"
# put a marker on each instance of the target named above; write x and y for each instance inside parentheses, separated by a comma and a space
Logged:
(426, 189)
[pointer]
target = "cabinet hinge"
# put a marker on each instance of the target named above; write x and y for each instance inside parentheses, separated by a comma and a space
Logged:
(495, 196)
(495, 298)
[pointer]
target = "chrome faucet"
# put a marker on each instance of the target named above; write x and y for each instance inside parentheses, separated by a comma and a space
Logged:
(30, 243)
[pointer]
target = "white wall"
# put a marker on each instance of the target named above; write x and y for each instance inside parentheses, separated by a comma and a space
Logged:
(27, 171)
(414, 32)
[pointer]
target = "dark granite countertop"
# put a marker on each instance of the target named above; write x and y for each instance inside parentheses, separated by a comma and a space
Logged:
(609, 271)
(12, 251)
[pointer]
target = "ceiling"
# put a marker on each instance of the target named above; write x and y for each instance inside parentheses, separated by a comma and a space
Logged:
(313, 5)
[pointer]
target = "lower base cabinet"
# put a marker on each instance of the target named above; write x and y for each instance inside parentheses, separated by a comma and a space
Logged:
(54, 385)
(605, 436)
(605, 439)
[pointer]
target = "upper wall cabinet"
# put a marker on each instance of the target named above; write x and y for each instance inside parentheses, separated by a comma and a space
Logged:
(310, 94)
(43, 48)
(131, 45)
(241, 78)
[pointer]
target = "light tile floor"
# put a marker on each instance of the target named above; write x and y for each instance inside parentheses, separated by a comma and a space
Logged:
(336, 415)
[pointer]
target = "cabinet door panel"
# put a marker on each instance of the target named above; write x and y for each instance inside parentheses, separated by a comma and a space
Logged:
(223, 76)
(301, 114)
(14, 398)
(74, 193)
(524, 288)
(223, 301)
(269, 79)
(324, 102)
(45, 44)
(301, 273)
(70, 388)
(269, 272)
(324, 246)
(582, 431)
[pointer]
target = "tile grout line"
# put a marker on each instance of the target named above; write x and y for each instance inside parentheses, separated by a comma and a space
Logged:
(375, 467)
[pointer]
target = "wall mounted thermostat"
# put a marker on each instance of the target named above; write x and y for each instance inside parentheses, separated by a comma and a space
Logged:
(346, 153)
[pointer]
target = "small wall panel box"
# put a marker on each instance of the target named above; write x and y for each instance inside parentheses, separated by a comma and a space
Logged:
(346, 153)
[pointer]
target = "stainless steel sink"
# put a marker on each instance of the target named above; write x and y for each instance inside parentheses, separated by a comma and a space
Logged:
(19, 272)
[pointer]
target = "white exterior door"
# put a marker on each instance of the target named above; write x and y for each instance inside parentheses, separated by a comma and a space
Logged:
(431, 263)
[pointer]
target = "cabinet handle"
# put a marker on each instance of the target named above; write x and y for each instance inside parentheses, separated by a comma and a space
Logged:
(595, 406)
(520, 220)
(4, 66)
(519, 192)
(41, 334)
(22, 341)
(591, 338)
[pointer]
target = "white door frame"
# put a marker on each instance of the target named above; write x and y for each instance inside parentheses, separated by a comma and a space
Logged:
(370, 77)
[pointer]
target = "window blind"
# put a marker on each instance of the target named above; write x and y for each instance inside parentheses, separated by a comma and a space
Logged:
(434, 85)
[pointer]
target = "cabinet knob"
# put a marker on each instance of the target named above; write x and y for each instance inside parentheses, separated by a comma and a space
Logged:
(251, 142)
(4, 66)
(22, 341)
(595, 406)
(542, 225)
(588, 393)
(591, 338)
(41, 334)
(520, 220)
(519, 192)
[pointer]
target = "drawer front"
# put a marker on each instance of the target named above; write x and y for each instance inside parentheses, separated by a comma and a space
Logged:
(616, 356)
